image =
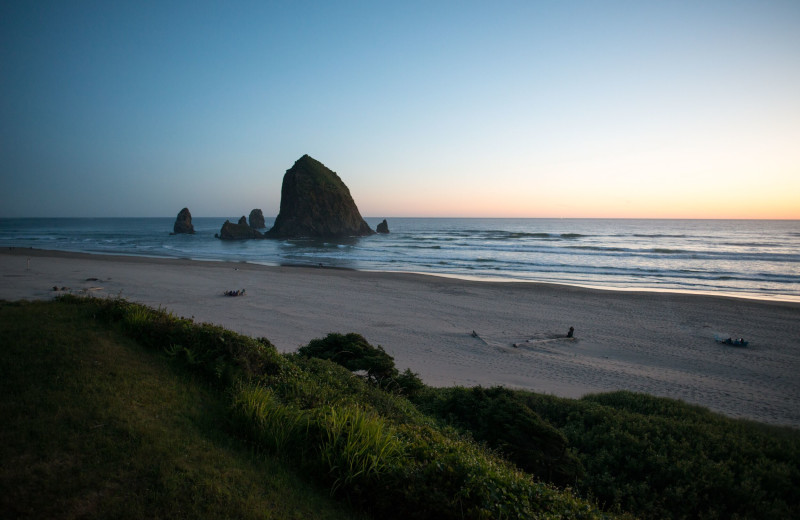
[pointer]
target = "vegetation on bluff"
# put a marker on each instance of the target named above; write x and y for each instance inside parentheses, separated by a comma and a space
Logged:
(663, 458)
(392, 447)
(95, 426)
(354, 352)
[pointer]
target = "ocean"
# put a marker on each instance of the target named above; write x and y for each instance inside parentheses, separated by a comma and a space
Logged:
(753, 259)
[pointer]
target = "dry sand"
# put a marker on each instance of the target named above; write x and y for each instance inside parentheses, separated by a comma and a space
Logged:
(658, 343)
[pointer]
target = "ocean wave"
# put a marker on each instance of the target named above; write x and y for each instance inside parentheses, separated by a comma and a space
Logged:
(574, 250)
(656, 235)
(411, 246)
(752, 244)
(611, 273)
(498, 234)
(30, 238)
(665, 251)
(530, 235)
(598, 248)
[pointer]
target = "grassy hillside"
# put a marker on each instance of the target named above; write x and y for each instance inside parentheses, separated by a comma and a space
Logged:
(90, 430)
(114, 409)
(93, 425)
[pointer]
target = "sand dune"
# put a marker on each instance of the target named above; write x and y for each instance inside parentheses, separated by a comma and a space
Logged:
(658, 343)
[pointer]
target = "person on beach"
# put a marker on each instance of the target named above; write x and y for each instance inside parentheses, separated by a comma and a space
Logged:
(571, 332)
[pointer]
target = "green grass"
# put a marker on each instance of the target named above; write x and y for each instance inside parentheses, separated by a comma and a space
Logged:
(94, 425)
(112, 409)
(369, 447)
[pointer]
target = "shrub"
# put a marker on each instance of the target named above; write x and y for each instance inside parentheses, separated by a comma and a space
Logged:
(223, 355)
(354, 353)
(501, 420)
(665, 459)
(409, 383)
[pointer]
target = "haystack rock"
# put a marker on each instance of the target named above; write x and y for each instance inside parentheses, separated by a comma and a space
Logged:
(238, 231)
(383, 227)
(183, 224)
(316, 203)
(257, 219)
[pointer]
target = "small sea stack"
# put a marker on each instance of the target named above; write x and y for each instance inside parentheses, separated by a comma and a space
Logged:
(239, 231)
(383, 227)
(257, 219)
(183, 223)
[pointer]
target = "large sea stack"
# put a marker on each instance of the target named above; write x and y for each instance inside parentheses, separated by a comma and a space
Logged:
(257, 219)
(239, 231)
(183, 224)
(316, 203)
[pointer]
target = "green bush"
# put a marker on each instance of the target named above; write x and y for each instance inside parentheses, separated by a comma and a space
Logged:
(223, 355)
(355, 353)
(665, 459)
(501, 420)
(409, 383)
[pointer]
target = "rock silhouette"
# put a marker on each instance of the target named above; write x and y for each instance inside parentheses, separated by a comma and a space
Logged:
(238, 231)
(383, 227)
(183, 223)
(257, 219)
(316, 203)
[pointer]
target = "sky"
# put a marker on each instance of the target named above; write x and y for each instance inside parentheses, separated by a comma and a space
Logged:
(574, 109)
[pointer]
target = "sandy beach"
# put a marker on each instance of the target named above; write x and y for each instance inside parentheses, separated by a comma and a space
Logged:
(658, 343)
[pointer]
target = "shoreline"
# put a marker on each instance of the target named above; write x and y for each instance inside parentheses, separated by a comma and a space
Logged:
(660, 343)
(477, 279)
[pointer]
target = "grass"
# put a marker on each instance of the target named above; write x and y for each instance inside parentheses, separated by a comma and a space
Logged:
(370, 447)
(114, 409)
(357, 445)
(96, 426)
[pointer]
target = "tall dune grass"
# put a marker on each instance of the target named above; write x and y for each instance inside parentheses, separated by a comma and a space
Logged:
(356, 446)
(275, 425)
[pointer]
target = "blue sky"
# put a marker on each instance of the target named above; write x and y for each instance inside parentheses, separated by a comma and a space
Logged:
(525, 109)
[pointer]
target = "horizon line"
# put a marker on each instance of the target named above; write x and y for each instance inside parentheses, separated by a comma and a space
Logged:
(427, 217)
